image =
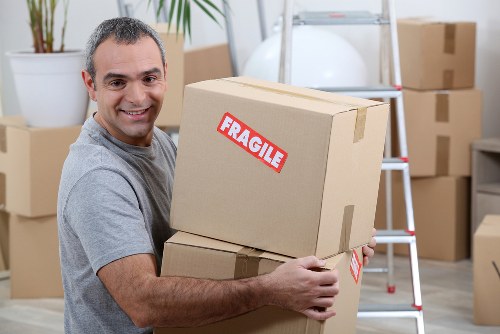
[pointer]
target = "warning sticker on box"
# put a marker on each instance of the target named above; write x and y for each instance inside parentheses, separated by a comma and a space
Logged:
(355, 266)
(252, 142)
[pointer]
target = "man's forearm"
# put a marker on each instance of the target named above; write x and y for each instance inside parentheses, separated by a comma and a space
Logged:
(190, 302)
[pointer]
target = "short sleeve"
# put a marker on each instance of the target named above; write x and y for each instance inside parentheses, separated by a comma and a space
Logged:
(103, 211)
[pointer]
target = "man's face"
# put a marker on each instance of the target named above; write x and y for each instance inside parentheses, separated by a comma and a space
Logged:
(129, 88)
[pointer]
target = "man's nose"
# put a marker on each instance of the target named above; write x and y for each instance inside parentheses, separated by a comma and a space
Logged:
(136, 93)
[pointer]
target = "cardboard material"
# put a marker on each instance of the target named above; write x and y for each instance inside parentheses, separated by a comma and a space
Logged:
(35, 270)
(437, 55)
(170, 114)
(207, 63)
(199, 257)
(302, 180)
(31, 160)
(486, 268)
(4, 240)
(442, 216)
(440, 127)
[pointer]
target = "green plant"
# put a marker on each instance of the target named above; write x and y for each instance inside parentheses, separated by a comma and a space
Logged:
(182, 11)
(42, 24)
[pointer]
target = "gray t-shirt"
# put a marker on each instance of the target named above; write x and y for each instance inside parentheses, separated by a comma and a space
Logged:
(114, 201)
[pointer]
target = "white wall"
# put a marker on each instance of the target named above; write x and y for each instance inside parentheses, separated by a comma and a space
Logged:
(84, 15)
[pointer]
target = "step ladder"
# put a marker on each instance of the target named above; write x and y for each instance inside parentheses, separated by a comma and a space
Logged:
(389, 89)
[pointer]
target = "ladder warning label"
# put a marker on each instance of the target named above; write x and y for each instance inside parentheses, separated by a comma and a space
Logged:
(355, 266)
(252, 142)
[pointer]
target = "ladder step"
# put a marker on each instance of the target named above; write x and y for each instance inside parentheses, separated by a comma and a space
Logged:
(339, 18)
(388, 311)
(370, 92)
(395, 237)
(394, 164)
(375, 270)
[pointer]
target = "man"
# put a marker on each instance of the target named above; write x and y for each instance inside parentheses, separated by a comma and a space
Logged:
(114, 204)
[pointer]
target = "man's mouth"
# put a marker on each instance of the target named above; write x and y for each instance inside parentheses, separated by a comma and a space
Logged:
(136, 112)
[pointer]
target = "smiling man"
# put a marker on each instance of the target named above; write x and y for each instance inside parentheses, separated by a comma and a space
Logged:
(114, 205)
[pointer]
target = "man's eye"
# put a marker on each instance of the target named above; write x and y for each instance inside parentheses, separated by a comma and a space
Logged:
(150, 79)
(116, 83)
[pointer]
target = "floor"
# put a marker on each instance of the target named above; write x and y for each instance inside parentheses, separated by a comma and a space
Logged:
(446, 288)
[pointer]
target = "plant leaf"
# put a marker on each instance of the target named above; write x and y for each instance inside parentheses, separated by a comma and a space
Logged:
(179, 14)
(171, 13)
(205, 9)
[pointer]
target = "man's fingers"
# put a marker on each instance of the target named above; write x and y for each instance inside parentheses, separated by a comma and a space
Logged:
(310, 262)
(316, 314)
(328, 277)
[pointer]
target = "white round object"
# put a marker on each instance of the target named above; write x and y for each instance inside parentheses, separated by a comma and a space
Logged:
(50, 88)
(320, 58)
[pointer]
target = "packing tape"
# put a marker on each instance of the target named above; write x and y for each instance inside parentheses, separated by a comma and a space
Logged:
(346, 228)
(448, 79)
(442, 155)
(247, 263)
(3, 138)
(450, 30)
(442, 108)
(288, 93)
(359, 129)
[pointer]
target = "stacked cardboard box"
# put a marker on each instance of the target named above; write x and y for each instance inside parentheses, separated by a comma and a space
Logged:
(443, 117)
(487, 271)
(283, 170)
(31, 161)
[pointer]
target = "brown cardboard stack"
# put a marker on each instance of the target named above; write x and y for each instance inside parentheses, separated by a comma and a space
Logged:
(31, 160)
(286, 170)
(443, 117)
(487, 272)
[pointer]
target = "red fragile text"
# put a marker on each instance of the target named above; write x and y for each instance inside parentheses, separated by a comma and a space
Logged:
(252, 142)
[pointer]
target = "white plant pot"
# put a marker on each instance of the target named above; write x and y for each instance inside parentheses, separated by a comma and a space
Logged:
(49, 87)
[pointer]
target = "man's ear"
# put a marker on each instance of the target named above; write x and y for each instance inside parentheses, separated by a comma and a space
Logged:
(89, 84)
(165, 77)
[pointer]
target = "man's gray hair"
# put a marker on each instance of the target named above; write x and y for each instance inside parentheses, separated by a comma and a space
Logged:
(124, 30)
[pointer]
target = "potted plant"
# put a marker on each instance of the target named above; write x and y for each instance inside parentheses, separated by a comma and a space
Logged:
(47, 79)
(182, 11)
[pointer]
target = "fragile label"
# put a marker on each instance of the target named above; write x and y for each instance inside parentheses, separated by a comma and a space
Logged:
(355, 266)
(252, 142)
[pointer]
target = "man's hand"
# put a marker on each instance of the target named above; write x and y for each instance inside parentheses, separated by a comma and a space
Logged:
(368, 250)
(295, 287)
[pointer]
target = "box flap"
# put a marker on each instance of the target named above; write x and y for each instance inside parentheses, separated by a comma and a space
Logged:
(286, 95)
(490, 227)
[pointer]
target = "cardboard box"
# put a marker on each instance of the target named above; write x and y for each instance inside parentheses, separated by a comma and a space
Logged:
(301, 177)
(199, 257)
(437, 55)
(440, 127)
(486, 268)
(35, 270)
(207, 63)
(4, 240)
(31, 160)
(441, 212)
(170, 114)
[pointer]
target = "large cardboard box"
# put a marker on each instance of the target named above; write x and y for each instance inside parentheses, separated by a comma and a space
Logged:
(35, 270)
(4, 240)
(207, 63)
(170, 114)
(440, 127)
(290, 170)
(194, 256)
(486, 268)
(31, 160)
(437, 55)
(441, 212)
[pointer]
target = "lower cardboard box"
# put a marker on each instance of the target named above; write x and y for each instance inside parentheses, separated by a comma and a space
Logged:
(4, 240)
(486, 268)
(195, 256)
(441, 213)
(35, 270)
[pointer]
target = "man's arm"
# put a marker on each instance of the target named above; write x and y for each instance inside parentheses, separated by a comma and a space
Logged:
(188, 302)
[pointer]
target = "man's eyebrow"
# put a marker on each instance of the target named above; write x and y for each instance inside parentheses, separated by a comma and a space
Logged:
(111, 75)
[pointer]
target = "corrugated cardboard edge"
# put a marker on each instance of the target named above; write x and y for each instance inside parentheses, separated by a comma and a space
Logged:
(194, 240)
